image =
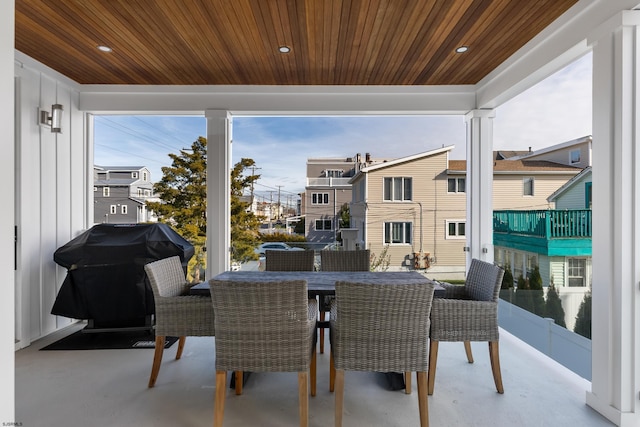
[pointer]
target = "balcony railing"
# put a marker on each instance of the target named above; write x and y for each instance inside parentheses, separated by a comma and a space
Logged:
(548, 224)
(328, 182)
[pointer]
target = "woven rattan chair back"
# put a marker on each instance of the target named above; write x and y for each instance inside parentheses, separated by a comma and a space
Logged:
(358, 260)
(266, 326)
(289, 260)
(383, 328)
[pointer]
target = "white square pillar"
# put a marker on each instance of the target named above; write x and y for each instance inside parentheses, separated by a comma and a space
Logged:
(615, 385)
(219, 127)
(479, 185)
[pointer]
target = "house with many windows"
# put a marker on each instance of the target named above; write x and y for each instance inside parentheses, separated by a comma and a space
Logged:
(327, 189)
(414, 207)
(120, 194)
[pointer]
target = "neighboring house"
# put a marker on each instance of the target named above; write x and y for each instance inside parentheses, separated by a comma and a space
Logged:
(327, 190)
(557, 240)
(416, 205)
(120, 194)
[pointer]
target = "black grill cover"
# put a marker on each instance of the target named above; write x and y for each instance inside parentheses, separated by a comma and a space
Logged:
(106, 281)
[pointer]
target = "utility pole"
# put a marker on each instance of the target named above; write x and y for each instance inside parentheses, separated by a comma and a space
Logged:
(279, 187)
(253, 172)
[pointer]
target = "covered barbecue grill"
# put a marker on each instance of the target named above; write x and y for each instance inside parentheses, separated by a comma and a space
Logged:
(106, 282)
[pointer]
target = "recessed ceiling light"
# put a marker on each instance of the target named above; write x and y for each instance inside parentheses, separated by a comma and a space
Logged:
(104, 48)
(284, 49)
(462, 49)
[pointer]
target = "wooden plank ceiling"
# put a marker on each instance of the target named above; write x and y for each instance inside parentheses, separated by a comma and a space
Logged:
(235, 42)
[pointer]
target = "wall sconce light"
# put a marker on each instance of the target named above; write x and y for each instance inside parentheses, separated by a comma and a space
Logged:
(53, 121)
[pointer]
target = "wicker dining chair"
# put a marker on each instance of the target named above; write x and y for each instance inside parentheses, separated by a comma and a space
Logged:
(289, 260)
(177, 314)
(381, 328)
(468, 313)
(266, 326)
(358, 260)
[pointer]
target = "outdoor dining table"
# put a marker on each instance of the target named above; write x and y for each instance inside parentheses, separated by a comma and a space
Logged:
(320, 283)
(323, 283)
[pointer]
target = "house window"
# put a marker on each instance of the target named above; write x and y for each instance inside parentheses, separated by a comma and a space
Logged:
(574, 157)
(576, 271)
(527, 186)
(333, 173)
(113, 209)
(147, 193)
(323, 224)
(144, 176)
(319, 198)
(134, 175)
(123, 209)
(397, 232)
(587, 195)
(397, 189)
(455, 229)
(105, 192)
(456, 185)
(140, 192)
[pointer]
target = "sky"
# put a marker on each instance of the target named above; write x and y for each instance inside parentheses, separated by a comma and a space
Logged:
(556, 110)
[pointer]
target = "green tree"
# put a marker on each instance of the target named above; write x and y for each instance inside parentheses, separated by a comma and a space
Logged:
(244, 223)
(583, 318)
(344, 216)
(183, 194)
(523, 294)
(553, 306)
(506, 290)
(537, 292)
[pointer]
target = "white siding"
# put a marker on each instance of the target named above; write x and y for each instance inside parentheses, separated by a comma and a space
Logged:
(51, 198)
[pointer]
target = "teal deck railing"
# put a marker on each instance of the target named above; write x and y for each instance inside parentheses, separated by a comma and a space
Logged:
(548, 224)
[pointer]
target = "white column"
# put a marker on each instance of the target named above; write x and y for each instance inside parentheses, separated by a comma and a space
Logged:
(479, 185)
(615, 382)
(7, 177)
(219, 126)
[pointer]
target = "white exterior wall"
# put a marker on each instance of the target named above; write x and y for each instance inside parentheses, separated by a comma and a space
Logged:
(51, 196)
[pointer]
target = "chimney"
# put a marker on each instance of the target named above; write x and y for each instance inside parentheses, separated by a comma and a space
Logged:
(367, 157)
(529, 149)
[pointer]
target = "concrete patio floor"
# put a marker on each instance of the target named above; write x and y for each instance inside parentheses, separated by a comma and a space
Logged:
(109, 388)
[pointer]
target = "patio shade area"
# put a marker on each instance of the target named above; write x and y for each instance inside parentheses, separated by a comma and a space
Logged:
(109, 388)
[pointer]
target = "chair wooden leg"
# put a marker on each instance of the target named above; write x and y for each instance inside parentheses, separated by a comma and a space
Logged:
(339, 397)
(423, 405)
(332, 373)
(467, 349)
(433, 357)
(303, 398)
(322, 317)
(181, 342)
(221, 392)
(313, 371)
(494, 355)
(407, 382)
(239, 378)
(157, 360)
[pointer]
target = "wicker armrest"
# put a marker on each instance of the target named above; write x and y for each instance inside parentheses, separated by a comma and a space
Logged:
(464, 320)
(453, 291)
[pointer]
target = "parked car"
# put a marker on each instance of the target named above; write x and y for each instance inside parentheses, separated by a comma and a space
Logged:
(276, 246)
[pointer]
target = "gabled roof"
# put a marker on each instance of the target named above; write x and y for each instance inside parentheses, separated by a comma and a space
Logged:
(120, 168)
(516, 166)
(406, 159)
(569, 184)
(561, 146)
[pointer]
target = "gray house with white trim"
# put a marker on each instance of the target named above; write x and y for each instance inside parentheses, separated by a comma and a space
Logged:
(120, 194)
